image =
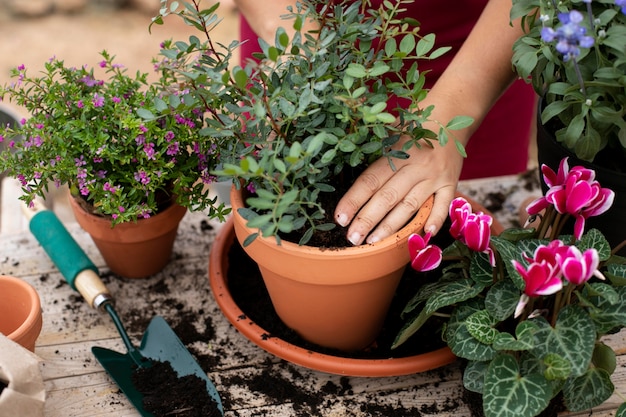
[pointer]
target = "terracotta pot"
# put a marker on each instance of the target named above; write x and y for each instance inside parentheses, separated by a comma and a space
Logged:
(20, 311)
(218, 276)
(134, 249)
(333, 298)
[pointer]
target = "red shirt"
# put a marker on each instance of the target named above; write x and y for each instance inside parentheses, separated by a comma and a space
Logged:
(500, 145)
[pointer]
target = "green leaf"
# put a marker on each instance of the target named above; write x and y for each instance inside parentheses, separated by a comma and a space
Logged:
(588, 390)
(573, 337)
(509, 252)
(604, 357)
(241, 78)
(507, 393)
(356, 70)
(407, 44)
(459, 122)
(621, 411)
(501, 299)
(523, 340)
(425, 45)
(480, 326)
(474, 375)
(557, 367)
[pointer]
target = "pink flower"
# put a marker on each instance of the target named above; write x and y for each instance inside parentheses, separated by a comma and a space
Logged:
(575, 192)
(472, 229)
(579, 267)
(424, 257)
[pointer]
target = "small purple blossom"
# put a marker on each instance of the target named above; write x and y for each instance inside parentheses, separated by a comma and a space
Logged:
(570, 36)
(142, 177)
(148, 148)
(98, 100)
(622, 5)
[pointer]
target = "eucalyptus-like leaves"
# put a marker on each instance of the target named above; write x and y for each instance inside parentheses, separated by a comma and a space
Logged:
(314, 108)
(531, 324)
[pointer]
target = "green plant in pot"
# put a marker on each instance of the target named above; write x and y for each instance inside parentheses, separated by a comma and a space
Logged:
(126, 147)
(308, 116)
(573, 54)
(528, 309)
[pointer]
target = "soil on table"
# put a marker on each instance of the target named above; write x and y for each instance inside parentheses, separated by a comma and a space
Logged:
(249, 293)
(167, 394)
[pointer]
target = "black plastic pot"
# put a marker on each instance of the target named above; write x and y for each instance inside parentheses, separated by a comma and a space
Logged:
(613, 222)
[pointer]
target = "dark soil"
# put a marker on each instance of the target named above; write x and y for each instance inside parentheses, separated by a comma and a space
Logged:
(166, 394)
(249, 293)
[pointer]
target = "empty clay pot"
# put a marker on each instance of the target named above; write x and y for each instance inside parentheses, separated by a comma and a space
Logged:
(20, 311)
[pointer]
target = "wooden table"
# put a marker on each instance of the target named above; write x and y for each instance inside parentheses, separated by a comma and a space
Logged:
(76, 384)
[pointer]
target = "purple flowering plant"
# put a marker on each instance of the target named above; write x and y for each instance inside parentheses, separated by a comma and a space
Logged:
(573, 53)
(528, 309)
(122, 144)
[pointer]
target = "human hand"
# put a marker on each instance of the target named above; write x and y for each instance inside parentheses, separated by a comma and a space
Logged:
(382, 200)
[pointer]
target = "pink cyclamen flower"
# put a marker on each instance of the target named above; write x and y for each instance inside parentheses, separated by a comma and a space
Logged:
(575, 192)
(424, 257)
(579, 267)
(472, 229)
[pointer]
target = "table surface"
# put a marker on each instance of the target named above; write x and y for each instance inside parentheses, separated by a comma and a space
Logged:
(76, 384)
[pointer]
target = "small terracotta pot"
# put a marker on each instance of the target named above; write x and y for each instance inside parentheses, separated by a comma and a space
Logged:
(218, 277)
(20, 311)
(134, 249)
(333, 298)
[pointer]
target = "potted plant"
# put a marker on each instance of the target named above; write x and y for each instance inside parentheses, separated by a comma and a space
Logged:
(129, 151)
(573, 54)
(309, 115)
(528, 309)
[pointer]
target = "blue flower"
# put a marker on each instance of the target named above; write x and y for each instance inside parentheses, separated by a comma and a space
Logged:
(622, 4)
(570, 36)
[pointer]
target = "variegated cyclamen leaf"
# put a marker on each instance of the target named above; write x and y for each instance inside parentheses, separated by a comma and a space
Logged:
(621, 410)
(480, 326)
(474, 375)
(600, 289)
(507, 393)
(458, 338)
(556, 367)
(523, 340)
(501, 299)
(409, 328)
(454, 292)
(595, 239)
(608, 315)
(572, 337)
(509, 252)
(588, 390)
(464, 345)
(481, 270)
(616, 274)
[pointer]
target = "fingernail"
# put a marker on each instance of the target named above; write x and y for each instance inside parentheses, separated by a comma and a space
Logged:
(373, 239)
(342, 220)
(355, 238)
(430, 229)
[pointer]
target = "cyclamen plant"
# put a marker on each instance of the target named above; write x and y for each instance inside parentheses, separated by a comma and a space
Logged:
(528, 309)
(120, 143)
(573, 54)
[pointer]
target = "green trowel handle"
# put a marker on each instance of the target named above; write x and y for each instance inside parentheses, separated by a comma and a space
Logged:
(72, 261)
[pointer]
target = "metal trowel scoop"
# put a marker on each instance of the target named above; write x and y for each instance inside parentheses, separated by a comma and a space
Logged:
(159, 342)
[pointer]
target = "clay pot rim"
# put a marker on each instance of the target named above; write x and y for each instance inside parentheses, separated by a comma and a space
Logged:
(295, 354)
(416, 225)
(35, 310)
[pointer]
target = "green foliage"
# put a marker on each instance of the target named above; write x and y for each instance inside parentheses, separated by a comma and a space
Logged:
(123, 144)
(587, 94)
(314, 106)
(520, 363)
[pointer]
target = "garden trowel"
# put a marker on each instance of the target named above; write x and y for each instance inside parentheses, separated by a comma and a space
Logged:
(159, 342)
